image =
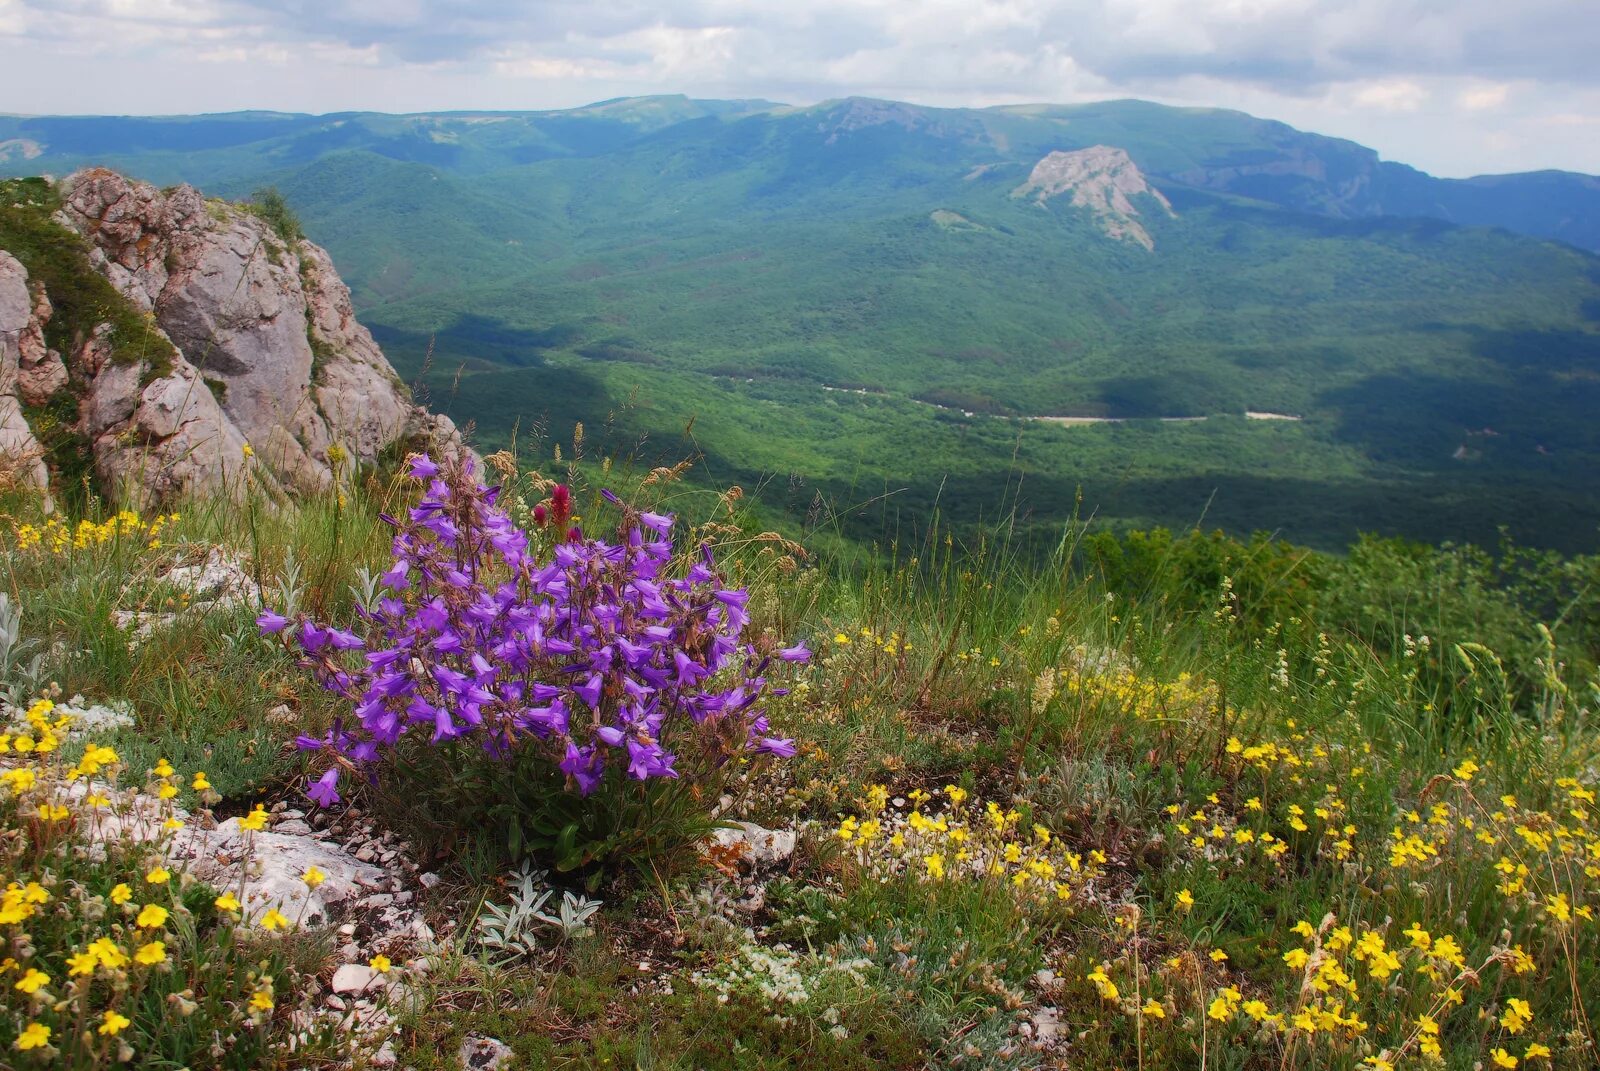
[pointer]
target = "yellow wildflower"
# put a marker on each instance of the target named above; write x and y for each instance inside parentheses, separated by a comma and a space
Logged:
(109, 953)
(33, 1036)
(1517, 1015)
(32, 982)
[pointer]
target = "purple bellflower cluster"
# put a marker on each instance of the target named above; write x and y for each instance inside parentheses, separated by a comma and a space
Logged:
(585, 648)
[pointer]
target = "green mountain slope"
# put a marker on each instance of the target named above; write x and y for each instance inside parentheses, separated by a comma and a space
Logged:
(867, 299)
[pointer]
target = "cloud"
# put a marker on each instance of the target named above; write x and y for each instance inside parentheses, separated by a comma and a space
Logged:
(1484, 98)
(1416, 72)
(1394, 95)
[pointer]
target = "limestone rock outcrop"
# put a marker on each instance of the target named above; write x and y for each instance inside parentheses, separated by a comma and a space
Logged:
(1103, 179)
(21, 455)
(268, 352)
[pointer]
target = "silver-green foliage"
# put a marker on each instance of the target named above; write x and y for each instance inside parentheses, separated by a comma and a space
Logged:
(18, 678)
(511, 931)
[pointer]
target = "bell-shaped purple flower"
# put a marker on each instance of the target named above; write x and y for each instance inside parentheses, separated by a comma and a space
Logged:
(584, 765)
(324, 790)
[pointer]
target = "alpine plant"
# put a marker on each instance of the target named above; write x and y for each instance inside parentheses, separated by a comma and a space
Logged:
(597, 653)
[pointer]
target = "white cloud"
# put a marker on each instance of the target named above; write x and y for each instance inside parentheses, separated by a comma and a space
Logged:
(1391, 96)
(1484, 98)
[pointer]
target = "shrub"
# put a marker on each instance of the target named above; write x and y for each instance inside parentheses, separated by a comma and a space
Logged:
(537, 684)
(271, 207)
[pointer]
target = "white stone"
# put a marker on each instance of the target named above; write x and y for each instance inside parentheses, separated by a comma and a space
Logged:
(761, 846)
(277, 863)
(356, 978)
(479, 1053)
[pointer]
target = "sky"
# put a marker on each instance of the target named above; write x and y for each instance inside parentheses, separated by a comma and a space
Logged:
(1456, 87)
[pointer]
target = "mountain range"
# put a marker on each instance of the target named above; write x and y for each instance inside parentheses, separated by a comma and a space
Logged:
(877, 309)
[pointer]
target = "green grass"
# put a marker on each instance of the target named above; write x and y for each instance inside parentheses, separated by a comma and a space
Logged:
(1113, 693)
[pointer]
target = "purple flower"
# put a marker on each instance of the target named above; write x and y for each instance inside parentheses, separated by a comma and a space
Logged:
(648, 760)
(584, 765)
(569, 649)
(777, 746)
(324, 790)
(589, 690)
(312, 638)
(344, 641)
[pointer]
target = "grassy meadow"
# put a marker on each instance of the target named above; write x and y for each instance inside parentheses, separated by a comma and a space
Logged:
(1147, 801)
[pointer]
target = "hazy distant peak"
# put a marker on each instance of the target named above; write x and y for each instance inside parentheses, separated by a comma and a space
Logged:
(858, 113)
(1101, 178)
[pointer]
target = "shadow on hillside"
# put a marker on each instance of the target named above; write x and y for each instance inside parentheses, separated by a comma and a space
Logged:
(1328, 515)
(479, 340)
(1461, 502)
(1538, 423)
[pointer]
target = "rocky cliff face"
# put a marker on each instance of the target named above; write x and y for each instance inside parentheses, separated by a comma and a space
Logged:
(21, 455)
(1104, 180)
(265, 352)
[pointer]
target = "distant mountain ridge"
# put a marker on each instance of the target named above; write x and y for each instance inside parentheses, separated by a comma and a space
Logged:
(1040, 309)
(1213, 149)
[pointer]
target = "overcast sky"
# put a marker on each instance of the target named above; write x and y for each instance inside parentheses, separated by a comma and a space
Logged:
(1457, 87)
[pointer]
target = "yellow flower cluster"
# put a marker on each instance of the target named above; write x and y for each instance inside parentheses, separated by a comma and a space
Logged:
(1348, 978)
(891, 643)
(89, 916)
(41, 737)
(1136, 695)
(56, 537)
(1375, 993)
(1548, 861)
(944, 837)
(1350, 990)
